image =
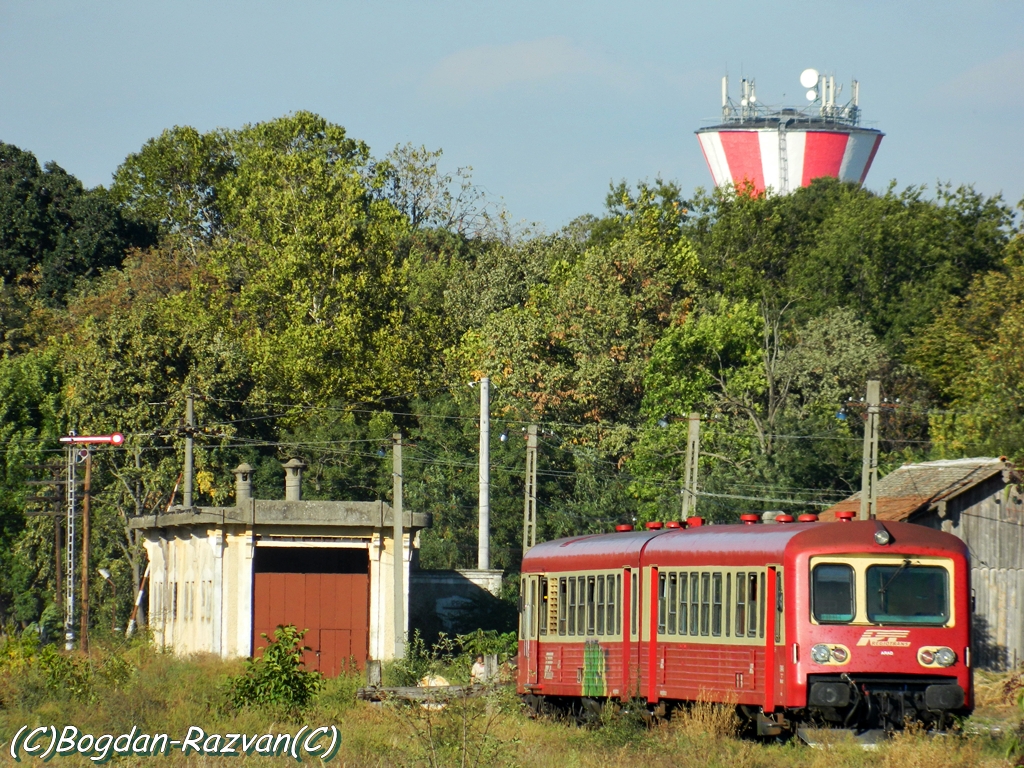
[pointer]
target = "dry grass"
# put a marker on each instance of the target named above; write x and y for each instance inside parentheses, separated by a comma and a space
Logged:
(169, 694)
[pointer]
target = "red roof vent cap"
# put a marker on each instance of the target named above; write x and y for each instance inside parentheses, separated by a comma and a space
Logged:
(624, 528)
(783, 518)
(673, 524)
(808, 517)
(753, 519)
(846, 516)
(654, 525)
(694, 522)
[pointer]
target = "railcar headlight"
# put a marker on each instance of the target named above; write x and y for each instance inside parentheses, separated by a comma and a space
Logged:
(839, 654)
(882, 537)
(945, 657)
(820, 654)
(926, 656)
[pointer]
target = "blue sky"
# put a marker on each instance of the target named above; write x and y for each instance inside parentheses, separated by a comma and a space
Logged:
(548, 101)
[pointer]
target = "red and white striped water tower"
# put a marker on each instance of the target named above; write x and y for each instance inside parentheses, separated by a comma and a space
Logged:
(782, 149)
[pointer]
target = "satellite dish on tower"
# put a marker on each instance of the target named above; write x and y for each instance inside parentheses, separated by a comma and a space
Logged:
(812, 95)
(809, 78)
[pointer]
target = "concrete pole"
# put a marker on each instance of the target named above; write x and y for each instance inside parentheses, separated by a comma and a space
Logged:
(869, 466)
(530, 502)
(484, 537)
(399, 545)
(186, 493)
(690, 471)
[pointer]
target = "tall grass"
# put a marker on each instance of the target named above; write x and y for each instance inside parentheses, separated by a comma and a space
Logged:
(157, 692)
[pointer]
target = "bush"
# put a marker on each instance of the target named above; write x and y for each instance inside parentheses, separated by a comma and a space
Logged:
(277, 679)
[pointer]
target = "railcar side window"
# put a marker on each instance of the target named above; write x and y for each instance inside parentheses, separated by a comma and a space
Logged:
(581, 604)
(760, 604)
(600, 605)
(779, 605)
(591, 604)
(907, 594)
(705, 603)
(728, 601)
(572, 605)
(833, 598)
(741, 604)
(716, 604)
(618, 602)
(563, 600)
(610, 605)
(752, 604)
(683, 604)
(544, 606)
(636, 598)
(694, 604)
(662, 578)
(534, 614)
(672, 600)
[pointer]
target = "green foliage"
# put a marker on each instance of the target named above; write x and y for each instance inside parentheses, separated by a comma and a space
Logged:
(483, 642)
(277, 678)
(53, 231)
(440, 658)
(316, 299)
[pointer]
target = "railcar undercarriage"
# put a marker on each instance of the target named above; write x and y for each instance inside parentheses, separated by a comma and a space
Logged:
(856, 703)
(888, 702)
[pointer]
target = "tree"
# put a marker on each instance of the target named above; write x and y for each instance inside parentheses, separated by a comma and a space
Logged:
(762, 384)
(51, 224)
(415, 185)
(175, 180)
(895, 259)
(971, 355)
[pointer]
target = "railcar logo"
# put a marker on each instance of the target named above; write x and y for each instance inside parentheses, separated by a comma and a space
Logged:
(887, 638)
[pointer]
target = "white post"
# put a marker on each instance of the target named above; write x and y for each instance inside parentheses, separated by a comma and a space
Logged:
(484, 536)
(398, 514)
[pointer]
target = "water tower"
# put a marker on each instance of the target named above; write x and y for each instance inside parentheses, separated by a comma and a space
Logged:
(785, 148)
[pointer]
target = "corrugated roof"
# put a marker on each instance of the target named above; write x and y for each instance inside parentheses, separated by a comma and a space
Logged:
(916, 486)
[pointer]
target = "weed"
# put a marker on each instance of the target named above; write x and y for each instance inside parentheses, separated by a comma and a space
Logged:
(277, 678)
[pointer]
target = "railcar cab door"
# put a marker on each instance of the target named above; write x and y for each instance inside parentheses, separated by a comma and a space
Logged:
(776, 659)
(533, 618)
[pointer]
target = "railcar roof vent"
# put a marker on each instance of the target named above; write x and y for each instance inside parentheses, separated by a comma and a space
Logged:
(752, 519)
(845, 516)
(654, 525)
(808, 517)
(624, 528)
(783, 518)
(673, 524)
(694, 522)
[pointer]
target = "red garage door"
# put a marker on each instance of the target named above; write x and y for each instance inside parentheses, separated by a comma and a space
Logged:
(334, 608)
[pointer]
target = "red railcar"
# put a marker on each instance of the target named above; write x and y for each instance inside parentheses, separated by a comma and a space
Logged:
(860, 624)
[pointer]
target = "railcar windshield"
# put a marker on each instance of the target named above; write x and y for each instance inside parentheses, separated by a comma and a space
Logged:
(832, 595)
(907, 594)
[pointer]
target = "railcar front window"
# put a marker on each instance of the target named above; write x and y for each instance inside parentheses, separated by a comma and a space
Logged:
(907, 594)
(832, 593)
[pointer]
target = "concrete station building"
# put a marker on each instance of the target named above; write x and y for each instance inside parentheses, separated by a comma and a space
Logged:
(222, 576)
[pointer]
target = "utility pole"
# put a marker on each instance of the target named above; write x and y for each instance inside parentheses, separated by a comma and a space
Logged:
(190, 422)
(83, 642)
(869, 467)
(690, 471)
(72, 441)
(530, 505)
(483, 556)
(69, 549)
(398, 534)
